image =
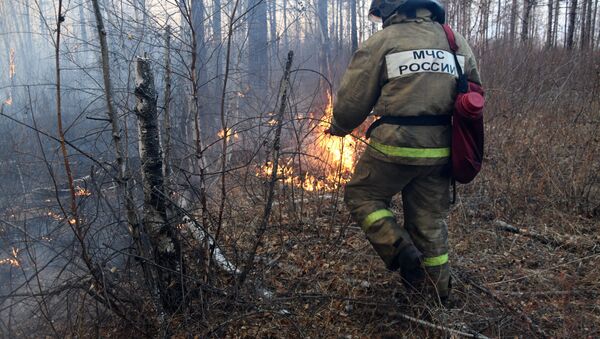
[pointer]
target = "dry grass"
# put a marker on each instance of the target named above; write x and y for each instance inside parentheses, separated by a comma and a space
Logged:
(540, 176)
(327, 282)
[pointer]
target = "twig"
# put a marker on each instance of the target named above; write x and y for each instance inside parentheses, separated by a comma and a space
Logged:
(532, 325)
(285, 81)
(438, 327)
(546, 293)
(225, 130)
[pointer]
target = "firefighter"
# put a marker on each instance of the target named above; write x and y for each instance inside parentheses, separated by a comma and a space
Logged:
(406, 75)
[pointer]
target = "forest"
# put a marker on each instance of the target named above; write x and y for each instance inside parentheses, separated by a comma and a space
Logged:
(165, 171)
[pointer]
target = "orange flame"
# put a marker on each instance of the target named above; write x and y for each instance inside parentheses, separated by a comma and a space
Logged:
(12, 69)
(342, 151)
(230, 134)
(82, 192)
(338, 154)
(55, 216)
(13, 261)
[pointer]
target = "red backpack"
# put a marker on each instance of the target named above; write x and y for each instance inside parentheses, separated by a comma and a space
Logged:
(467, 123)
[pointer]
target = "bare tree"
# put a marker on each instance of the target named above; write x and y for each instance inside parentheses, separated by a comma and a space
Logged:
(593, 25)
(572, 17)
(550, 25)
(324, 50)
(527, 9)
(166, 247)
(167, 124)
(353, 27)
(586, 27)
(258, 65)
(514, 13)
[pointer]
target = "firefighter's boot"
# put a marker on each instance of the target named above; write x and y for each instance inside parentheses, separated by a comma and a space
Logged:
(410, 261)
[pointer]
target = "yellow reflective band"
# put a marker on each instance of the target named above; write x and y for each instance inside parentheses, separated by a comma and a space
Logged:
(406, 152)
(436, 261)
(375, 217)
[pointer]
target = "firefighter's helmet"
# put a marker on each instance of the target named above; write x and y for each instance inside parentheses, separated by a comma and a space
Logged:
(382, 9)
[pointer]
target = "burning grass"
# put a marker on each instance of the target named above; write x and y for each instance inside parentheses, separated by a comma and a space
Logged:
(13, 260)
(328, 161)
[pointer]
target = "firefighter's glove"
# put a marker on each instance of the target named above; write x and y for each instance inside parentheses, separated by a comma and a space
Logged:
(336, 131)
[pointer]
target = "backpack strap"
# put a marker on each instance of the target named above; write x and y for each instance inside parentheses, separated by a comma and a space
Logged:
(462, 83)
(451, 38)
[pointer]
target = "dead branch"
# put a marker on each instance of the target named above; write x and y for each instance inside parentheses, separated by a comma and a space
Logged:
(503, 226)
(437, 327)
(546, 240)
(535, 328)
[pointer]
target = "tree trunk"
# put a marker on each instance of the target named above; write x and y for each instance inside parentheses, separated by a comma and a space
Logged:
(123, 170)
(73, 201)
(498, 19)
(217, 22)
(353, 28)
(286, 40)
(334, 21)
(514, 12)
(273, 36)
(584, 16)
(571, 30)
(322, 15)
(465, 27)
(527, 6)
(594, 20)
(361, 28)
(215, 70)
(340, 26)
(485, 22)
(199, 75)
(258, 63)
(167, 114)
(555, 25)
(587, 42)
(197, 19)
(28, 27)
(123, 174)
(549, 27)
(83, 24)
(165, 246)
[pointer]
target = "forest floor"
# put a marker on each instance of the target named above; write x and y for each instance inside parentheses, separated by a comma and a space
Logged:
(322, 280)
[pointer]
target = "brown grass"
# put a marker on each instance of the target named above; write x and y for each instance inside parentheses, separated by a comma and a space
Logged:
(540, 175)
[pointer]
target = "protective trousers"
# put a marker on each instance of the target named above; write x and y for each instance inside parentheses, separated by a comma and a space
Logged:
(426, 201)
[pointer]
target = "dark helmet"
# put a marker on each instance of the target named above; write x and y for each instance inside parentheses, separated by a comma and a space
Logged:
(383, 9)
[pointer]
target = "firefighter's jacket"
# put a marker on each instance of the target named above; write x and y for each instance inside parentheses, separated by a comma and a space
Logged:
(406, 69)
